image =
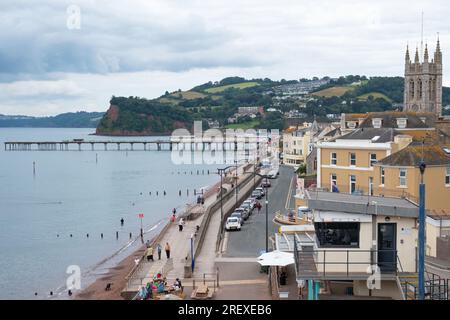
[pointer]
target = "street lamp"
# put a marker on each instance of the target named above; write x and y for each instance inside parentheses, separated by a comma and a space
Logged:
(422, 167)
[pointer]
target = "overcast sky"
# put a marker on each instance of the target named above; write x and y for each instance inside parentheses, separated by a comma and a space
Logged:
(145, 47)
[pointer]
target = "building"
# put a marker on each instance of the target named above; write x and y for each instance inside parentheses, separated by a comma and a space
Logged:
(399, 175)
(423, 82)
(250, 110)
(356, 241)
(295, 145)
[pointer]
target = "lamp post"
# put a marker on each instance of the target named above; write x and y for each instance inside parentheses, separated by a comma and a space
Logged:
(236, 181)
(422, 167)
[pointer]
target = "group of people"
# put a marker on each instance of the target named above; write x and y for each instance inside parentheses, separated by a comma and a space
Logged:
(149, 252)
(159, 286)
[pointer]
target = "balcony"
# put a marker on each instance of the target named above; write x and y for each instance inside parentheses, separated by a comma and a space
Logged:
(345, 264)
(360, 190)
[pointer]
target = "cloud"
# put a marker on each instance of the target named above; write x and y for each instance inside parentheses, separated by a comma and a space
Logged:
(144, 47)
(33, 89)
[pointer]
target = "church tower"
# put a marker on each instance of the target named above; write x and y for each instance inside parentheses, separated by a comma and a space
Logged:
(423, 82)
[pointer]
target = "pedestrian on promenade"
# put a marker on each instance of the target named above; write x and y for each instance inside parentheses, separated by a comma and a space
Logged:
(258, 206)
(147, 244)
(159, 249)
(173, 218)
(174, 211)
(150, 254)
(180, 224)
(167, 248)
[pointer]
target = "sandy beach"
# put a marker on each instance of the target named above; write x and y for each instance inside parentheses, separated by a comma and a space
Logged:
(117, 275)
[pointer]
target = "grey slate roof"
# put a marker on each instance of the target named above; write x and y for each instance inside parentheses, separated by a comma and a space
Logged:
(343, 202)
(384, 134)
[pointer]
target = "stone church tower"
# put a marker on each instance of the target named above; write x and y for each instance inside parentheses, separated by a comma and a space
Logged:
(423, 82)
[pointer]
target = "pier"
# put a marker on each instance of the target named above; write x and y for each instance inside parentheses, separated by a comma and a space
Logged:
(132, 145)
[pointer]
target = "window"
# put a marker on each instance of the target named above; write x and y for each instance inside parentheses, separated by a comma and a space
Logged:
(382, 175)
(402, 177)
(333, 180)
(371, 186)
(352, 159)
(373, 159)
(333, 158)
(352, 184)
(337, 234)
(376, 122)
(447, 176)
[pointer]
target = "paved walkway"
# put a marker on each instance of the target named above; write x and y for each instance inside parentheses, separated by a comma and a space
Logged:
(206, 260)
(180, 243)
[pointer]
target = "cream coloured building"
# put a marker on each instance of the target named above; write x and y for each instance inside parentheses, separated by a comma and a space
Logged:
(356, 241)
(296, 144)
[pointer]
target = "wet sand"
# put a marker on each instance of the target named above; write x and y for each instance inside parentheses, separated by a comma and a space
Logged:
(116, 276)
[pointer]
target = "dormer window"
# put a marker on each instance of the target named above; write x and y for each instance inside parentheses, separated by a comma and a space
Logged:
(376, 122)
(401, 123)
(351, 124)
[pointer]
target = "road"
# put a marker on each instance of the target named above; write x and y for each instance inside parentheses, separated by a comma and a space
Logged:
(251, 239)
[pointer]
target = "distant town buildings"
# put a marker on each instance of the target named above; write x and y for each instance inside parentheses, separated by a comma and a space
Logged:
(300, 88)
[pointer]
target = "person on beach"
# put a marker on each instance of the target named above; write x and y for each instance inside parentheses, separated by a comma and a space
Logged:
(173, 218)
(180, 224)
(159, 249)
(167, 248)
(122, 222)
(150, 254)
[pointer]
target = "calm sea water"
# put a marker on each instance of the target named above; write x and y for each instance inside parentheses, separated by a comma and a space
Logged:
(72, 193)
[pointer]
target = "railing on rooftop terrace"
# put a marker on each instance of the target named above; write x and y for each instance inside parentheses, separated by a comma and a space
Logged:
(365, 191)
(323, 263)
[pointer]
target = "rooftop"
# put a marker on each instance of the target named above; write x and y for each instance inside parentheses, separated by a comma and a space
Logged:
(383, 134)
(373, 205)
(389, 119)
(412, 155)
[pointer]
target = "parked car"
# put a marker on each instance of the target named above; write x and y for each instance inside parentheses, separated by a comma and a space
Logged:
(257, 194)
(273, 174)
(266, 183)
(244, 213)
(239, 216)
(262, 191)
(233, 223)
(247, 206)
(251, 202)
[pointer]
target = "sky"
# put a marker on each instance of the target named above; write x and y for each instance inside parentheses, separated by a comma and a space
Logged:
(63, 56)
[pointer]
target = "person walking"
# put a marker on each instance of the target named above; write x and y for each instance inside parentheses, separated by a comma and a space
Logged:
(150, 254)
(122, 222)
(167, 248)
(159, 249)
(180, 224)
(258, 206)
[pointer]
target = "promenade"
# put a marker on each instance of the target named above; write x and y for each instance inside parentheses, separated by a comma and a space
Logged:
(180, 242)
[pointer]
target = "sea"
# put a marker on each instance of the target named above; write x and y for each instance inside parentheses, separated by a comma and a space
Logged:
(55, 206)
